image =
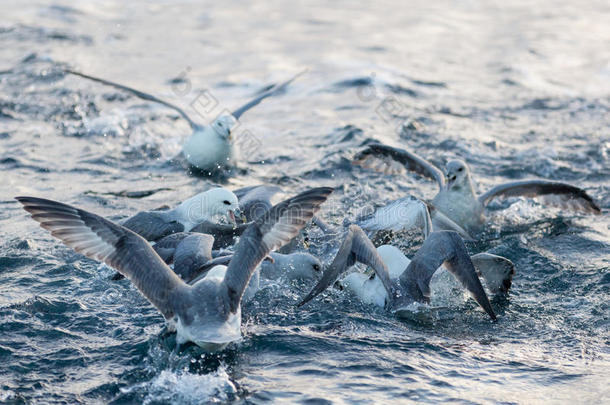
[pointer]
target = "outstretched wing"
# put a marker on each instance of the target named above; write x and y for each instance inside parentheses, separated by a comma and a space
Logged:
(356, 247)
(443, 247)
(272, 91)
(153, 225)
(401, 215)
(271, 231)
(138, 93)
(388, 160)
(117, 246)
(556, 193)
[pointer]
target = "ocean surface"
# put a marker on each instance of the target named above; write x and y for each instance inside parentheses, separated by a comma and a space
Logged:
(518, 89)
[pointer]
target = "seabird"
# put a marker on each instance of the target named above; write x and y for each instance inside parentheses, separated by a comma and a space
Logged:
(457, 199)
(208, 148)
(495, 271)
(407, 213)
(205, 206)
(253, 202)
(188, 251)
(208, 312)
(275, 266)
(412, 283)
(292, 266)
(192, 256)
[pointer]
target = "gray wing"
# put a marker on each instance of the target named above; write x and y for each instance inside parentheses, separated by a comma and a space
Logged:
(138, 93)
(254, 201)
(497, 271)
(165, 247)
(153, 225)
(118, 247)
(356, 247)
(401, 215)
(556, 193)
(388, 160)
(223, 234)
(271, 92)
(271, 231)
(192, 253)
(443, 247)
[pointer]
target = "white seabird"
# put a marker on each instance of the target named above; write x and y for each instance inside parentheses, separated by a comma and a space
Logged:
(209, 147)
(405, 285)
(208, 312)
(205, 206)
(457, 199)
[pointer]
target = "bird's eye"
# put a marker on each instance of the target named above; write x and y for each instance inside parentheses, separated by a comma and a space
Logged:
(316, 267)
(460, 169)
(226, 202)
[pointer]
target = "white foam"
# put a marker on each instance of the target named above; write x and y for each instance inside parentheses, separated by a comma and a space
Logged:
(183, 387)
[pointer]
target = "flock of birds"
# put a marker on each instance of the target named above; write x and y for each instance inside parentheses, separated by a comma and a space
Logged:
(198, 262)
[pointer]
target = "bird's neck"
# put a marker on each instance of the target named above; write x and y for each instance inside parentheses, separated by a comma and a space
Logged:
(191, 212)
(464, 189)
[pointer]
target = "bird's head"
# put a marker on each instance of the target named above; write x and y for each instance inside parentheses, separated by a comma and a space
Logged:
(302, 265)
(222, 202)
(209, 204)
(223, 124)
(458, 174)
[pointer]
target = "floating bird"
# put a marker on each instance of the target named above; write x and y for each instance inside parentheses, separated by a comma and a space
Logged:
(496, 271)
(205, 206)
(457, 199)
(292, 266)
(208, 312)
(410, 285)
(208, 148)
(192, 256)
(253, 202)
(407, 213)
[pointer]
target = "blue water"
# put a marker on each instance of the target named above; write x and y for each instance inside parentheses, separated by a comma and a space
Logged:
(519, 90)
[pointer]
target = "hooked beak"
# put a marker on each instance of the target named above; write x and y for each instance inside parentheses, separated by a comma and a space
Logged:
(451, 178)
(231, 217)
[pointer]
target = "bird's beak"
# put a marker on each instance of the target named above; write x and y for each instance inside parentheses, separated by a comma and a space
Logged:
(231, 217)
